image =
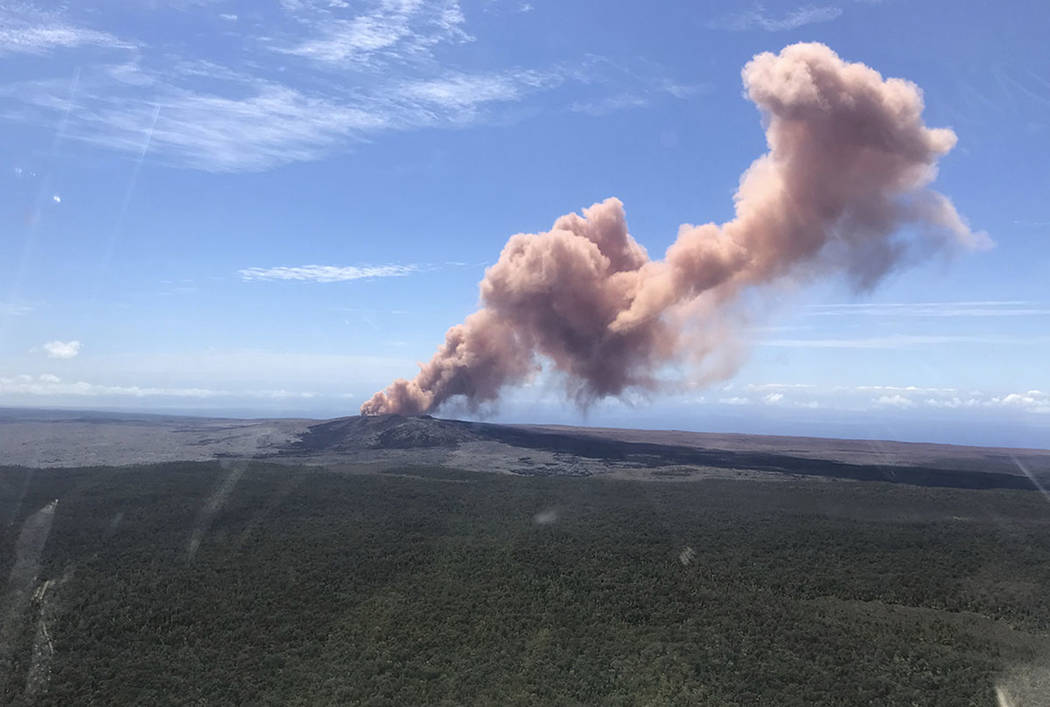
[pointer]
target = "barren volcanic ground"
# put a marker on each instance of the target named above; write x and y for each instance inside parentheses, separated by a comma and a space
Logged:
(77, 439)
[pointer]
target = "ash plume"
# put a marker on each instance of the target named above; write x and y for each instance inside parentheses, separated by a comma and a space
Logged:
(848, 167)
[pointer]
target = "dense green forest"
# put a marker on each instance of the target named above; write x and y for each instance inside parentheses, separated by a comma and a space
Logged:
(265, 584)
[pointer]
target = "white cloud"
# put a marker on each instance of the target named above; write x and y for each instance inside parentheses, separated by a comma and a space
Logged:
(228, 16)
(62, 349)
(327, 273)
(759, 18)
(903, 389)
(1031, 401)
(952, 403)
(897, 401)
(901, 397)
(774, 394)
(51, 385)
(227, 376)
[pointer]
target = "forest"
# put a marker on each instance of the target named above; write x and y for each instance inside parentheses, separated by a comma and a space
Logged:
(252, 583)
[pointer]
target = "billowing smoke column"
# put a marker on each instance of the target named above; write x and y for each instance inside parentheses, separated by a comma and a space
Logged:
(848, 165)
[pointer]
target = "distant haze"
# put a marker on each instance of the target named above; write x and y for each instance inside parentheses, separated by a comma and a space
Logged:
(843, 191)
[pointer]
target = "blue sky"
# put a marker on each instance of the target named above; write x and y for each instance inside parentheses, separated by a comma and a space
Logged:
(275, 207)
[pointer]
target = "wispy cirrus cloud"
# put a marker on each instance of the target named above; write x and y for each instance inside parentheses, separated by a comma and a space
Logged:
(255, 124)
(14, 309)
(259, 124)
(910, 389)
(461, 89)
(988, 308)
(759, 18)
(319, 77)
(623, 87)
(389, 30)
(327, 273)
(247, 123)
(459, 98)
(26, 30)
(777, 387)
(609, 104)
(893, 341)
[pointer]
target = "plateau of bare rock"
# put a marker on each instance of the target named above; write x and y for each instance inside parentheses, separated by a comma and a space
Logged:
(76, 439)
